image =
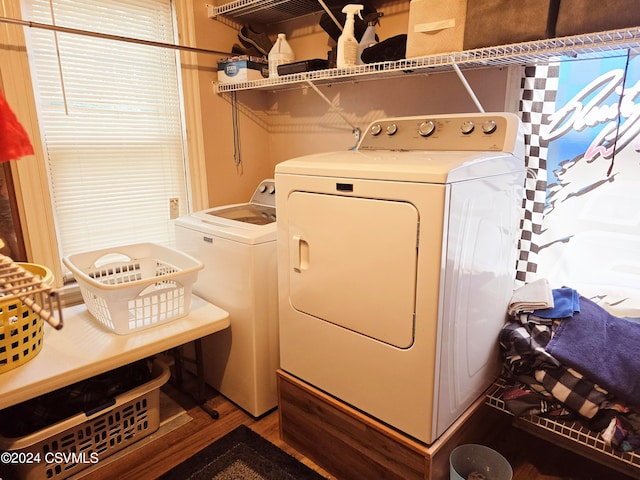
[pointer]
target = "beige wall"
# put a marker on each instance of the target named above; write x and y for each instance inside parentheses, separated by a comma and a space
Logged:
(305, 124)
(226, 182)
(275, 126)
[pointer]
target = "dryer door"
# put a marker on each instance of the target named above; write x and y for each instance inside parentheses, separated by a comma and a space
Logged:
(353, 263)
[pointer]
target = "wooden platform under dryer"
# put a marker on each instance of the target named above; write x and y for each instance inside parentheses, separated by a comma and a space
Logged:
(352, 446)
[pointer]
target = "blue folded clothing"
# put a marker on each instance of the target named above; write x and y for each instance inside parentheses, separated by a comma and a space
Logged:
(602, 347)
(566, 301)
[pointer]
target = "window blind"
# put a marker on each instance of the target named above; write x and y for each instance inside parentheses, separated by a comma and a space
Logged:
(110, 119)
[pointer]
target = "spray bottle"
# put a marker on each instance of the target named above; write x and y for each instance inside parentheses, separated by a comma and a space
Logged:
(347, 43)
(369, 37)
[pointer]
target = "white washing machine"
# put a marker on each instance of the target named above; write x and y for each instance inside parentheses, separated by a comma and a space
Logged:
(396, 265)
(237, 246)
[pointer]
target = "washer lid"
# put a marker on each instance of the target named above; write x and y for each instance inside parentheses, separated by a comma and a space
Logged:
(247, 213)
(248, 223)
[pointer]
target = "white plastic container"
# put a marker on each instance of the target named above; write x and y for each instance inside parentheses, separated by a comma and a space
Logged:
(280, 54)
(347, 54)
(134, 287)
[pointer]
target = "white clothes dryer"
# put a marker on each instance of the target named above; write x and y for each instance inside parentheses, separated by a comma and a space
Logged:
(397, 262)
(237, 246)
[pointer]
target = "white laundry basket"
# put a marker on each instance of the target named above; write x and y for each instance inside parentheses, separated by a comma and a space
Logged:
(134, 287)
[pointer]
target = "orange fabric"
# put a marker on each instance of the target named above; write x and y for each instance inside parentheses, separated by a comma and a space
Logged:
(14, 141)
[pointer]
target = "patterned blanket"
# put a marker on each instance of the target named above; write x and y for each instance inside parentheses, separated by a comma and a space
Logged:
(543, 385)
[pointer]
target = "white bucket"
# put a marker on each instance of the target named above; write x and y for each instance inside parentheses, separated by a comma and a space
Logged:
(485, 463)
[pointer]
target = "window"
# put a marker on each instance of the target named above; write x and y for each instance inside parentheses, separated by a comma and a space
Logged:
(110, 119)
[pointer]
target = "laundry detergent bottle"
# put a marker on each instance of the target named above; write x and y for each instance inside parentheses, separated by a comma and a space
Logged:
(347, 54)
(369, 37)
(280, 54)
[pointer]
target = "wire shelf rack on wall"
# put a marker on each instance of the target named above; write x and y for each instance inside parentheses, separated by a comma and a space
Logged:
(571, 435)
(264, 11)
(579, 47)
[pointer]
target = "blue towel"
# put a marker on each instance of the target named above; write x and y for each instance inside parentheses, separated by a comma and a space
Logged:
(566, 301)
(602, 347)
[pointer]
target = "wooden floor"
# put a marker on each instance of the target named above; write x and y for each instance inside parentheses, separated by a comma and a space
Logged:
(531, 458)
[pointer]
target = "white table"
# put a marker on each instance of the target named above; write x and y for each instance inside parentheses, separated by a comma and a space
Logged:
(84, 348)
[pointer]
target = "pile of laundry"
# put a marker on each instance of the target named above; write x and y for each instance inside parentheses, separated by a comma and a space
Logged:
(568, 358)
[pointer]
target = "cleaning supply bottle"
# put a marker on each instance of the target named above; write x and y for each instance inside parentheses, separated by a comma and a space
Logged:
(347, 43)
(279, 54)
(369, 37)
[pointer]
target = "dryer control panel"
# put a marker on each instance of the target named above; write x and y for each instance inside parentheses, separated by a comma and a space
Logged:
(497, 132)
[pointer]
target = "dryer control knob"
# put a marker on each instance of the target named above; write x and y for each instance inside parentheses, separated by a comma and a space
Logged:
(271, 190)
(392, 128)
(375, 129)
(489, 126)
(263, 188)
(467, 127)
(427, 128)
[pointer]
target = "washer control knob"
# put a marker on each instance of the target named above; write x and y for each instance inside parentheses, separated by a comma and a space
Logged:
(489, 127)
(271, 190)
(427, 128)
(375, 129)
(263, 188)
(467, 127)
(392, 128)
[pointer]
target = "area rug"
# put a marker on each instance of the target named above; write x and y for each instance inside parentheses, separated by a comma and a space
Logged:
(242, 454)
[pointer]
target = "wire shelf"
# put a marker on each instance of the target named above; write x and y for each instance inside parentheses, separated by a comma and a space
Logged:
(264, 11)
(572, 432)
(579, 47)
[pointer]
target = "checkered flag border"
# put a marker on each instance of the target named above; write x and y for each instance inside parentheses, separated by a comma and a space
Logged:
(538, 94)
